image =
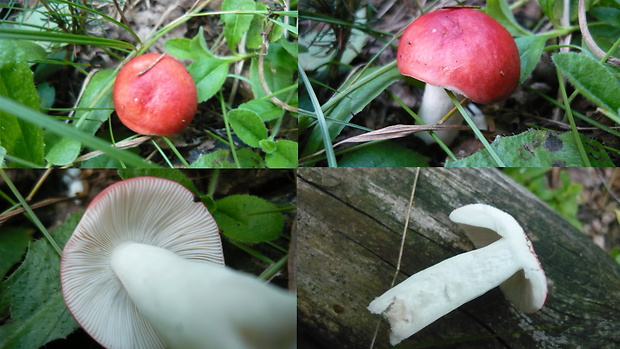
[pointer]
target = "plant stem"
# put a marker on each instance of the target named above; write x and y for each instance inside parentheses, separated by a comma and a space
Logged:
(571, 120)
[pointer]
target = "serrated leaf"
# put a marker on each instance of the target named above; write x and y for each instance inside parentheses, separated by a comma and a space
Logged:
(236, 24)
(19, 138)
(223, 159)
(384, 154)
(590, 78)
(248, 126)
(209, 75)
(284, 156)
(248, 218)
(530, 50)
(536, 148)
(38, 311)
(13, 244)
(167, 173)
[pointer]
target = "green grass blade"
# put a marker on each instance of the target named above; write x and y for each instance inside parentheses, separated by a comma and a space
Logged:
(22, 112)
(65, 38)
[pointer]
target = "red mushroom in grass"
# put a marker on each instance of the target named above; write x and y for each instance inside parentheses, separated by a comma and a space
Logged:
(503, 257)
(144, 269)
(462, 50)
(154, 94)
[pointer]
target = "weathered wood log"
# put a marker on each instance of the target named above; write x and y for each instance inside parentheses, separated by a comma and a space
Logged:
(350, 226)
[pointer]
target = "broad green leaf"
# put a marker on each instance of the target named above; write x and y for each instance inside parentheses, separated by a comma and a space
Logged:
(248, 126)
(19, 138)
(284, 155)
(199, 47)
(609, 15)
(94, 108)
(263, 107)
(267, 146)
(352, 104)
(61, 151)
(500, 11)
(167, 173)
(530, 50)
(291, 47)
(179, 48)
(32, 51)
(276, 67)
(13, 244)
(223, 159)
(47, 95)
(281, 56)
(96, 103)
(209, 75)
(248, 218)
(38, 311)
(254, 38)
(279, 28)
(536, 148)
(383, 154)
(277, 31)
(590, 78)
(551, 9)
(24, 113)
(236, 24)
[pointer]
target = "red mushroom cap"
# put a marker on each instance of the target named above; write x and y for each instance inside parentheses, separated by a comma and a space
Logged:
(155, 97)
(462, 50)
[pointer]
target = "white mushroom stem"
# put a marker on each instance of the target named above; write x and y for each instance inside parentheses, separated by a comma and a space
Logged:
(194, 304)
(435, 105)
(433, 292)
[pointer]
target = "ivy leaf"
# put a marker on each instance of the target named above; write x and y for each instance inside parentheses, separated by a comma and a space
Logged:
(38, 311)
(536, 148)
(590, 78)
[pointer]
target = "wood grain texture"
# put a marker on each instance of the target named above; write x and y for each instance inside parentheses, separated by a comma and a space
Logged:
(350, 224)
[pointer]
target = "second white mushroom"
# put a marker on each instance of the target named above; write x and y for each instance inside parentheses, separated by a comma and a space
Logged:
(504, 257)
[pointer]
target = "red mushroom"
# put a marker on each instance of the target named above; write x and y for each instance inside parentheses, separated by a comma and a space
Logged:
(462, 50)
(155, 94)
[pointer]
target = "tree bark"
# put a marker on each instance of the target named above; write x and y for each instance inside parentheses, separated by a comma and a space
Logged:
(350, 227)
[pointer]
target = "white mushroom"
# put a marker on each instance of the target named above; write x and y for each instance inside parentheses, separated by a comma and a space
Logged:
(144, 269)
(504, 257)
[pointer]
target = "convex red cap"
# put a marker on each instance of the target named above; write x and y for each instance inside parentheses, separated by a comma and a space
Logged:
(462, 50)
(155, 95)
